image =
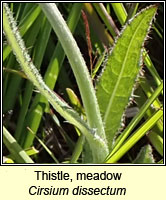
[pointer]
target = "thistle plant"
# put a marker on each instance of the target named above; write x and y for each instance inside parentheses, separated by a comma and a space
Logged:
(103, 112)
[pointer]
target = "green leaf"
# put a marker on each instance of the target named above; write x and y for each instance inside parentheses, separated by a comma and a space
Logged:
(156, 141)
(120, 11)
(145, 156)
(14, 148)
(117, 82)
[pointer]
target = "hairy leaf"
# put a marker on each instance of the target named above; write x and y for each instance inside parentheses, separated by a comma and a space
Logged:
(145, 156)
(117, 82)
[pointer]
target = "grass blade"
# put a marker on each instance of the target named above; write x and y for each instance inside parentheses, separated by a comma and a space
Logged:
(135, 137)
(136, 119)
(120, 12)
(17, 152)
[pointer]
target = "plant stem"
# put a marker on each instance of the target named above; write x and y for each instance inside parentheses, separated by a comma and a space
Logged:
(78, 65)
